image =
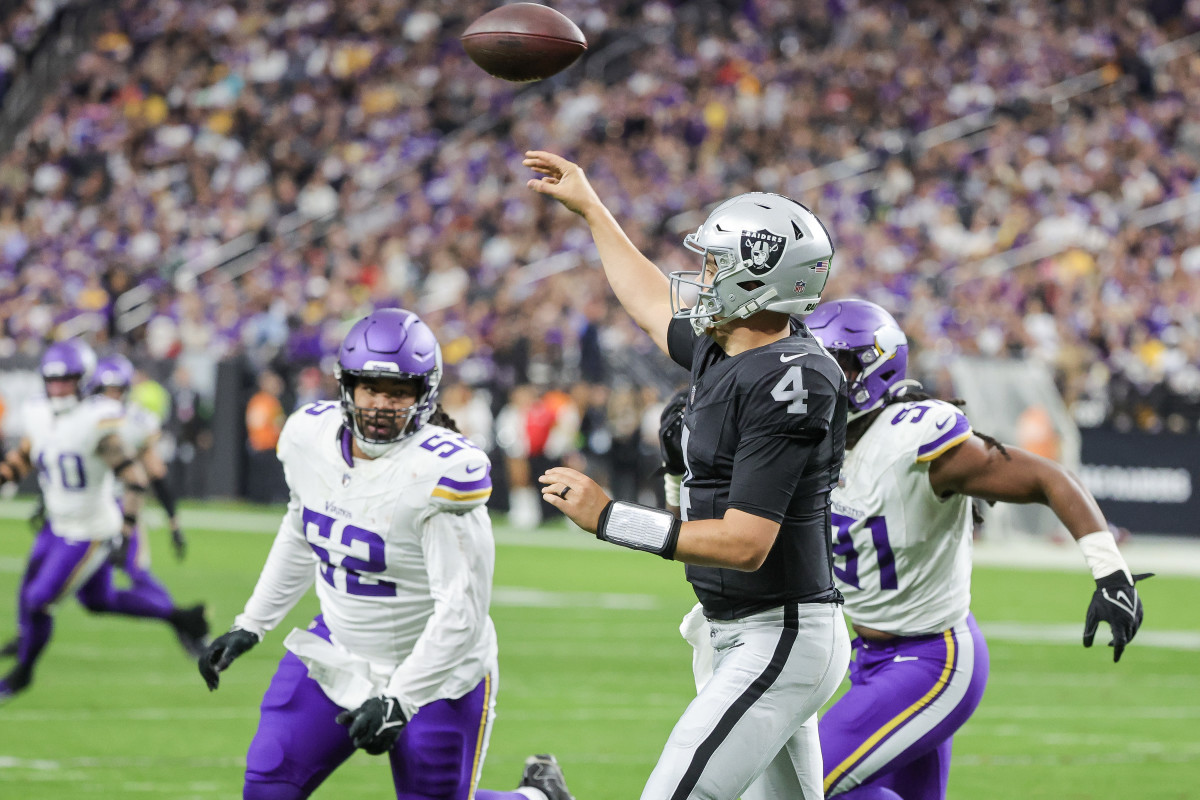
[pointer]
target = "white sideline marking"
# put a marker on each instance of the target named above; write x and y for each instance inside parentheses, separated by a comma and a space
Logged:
(1026, 633)
(521, 597)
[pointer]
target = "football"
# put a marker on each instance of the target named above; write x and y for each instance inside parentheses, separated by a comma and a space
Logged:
(523, 42)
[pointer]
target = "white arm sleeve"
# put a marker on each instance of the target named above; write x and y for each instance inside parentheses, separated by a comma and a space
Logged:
(285, 578)
(460, 557)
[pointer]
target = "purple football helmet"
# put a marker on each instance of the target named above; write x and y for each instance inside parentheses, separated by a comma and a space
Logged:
(871, 339)
(396, 344)
(113, 372)
(69, 360)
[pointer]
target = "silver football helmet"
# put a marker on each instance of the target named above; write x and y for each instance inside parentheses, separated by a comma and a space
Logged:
(772, 254)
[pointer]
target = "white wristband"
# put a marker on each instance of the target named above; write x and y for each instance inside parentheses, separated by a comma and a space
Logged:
(671, 488)
(1102, 556)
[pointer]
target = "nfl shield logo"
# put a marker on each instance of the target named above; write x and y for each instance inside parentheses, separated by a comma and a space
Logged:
(762, 249)
(345, 479)
(799, 287)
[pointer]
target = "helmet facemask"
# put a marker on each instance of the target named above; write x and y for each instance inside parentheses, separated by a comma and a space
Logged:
(386, 426)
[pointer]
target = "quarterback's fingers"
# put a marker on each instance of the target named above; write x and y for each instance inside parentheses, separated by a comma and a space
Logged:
(561, 475)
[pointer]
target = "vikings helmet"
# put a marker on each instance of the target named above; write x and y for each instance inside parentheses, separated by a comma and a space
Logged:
(389, 343)
(69, 360)
(873, 340)
(772, 253)
(115, 371)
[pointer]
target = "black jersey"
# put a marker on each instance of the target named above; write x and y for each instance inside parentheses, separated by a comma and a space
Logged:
(764, 432)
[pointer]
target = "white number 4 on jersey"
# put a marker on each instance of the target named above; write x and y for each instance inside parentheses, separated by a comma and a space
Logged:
(790, 389)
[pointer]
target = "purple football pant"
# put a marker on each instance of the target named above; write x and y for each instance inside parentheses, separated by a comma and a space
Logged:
(57, 566)
(145, 597)
(890, 735)
(298, 744)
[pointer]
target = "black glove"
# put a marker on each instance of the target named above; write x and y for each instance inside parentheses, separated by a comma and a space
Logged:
(670, 433)
(178, 542)
(221, 652)
(120, 552)
(375, 725)
(1116, 602)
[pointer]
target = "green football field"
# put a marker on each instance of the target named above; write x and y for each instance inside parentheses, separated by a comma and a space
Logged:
(593, 670)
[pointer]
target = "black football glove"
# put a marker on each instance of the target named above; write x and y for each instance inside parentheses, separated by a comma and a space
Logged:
(670, 433)
(221, 652)
(178, 542)
(1116, 602)
(375, 725)
(120, 550)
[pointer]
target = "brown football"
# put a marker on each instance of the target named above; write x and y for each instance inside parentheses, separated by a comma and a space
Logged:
(523, 42)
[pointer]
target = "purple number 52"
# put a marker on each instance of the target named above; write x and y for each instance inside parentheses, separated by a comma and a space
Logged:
(844, 546)
(354, 567)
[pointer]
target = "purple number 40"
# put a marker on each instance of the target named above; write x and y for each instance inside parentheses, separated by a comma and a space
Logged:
(844, 546)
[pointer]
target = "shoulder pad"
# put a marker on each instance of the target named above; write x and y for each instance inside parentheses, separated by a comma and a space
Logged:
(933, 425)
(789, 393)
(465, 482)
(306, 424)
(106, 411)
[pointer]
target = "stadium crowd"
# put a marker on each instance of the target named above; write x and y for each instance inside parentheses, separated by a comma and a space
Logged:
(373, 164)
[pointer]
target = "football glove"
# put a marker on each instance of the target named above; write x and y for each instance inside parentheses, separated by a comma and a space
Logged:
(221, 652)
(178, 542)
(670, 433)
(120, 550)
(1116, 602)
(375, 725)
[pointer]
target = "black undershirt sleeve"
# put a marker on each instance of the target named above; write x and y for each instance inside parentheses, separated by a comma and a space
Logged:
(681, 342)
(163, 492)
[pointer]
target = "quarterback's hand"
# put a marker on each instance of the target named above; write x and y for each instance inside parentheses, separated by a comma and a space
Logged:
(564, 181)
(670, 434)
(178, 541)
(221, 652)
(1116, 602)
(574, 494)
(375, 725)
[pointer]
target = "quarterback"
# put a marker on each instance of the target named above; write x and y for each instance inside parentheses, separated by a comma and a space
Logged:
(387, 518)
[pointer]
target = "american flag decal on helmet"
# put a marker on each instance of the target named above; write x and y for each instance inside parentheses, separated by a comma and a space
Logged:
(821, 266)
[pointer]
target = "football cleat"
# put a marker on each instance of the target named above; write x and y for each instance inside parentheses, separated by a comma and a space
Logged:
(543, 773)
(15, 682)
(191, 628)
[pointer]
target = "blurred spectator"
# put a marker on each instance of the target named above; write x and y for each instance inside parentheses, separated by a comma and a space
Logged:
(264, 421)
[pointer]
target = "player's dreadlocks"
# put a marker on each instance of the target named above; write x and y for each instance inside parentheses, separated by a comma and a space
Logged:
(441, 418)
(911, 392)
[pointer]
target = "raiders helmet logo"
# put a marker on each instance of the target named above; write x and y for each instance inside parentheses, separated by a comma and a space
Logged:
(762, 249)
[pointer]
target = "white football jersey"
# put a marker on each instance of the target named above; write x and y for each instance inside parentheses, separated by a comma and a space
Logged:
(902, 555)
(400, 548)
(140, 426)
(78, 486)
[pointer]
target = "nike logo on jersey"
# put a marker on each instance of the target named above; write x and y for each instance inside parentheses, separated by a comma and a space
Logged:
(793, 357)
(898, 659)
(472, 470)
(941, 426)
